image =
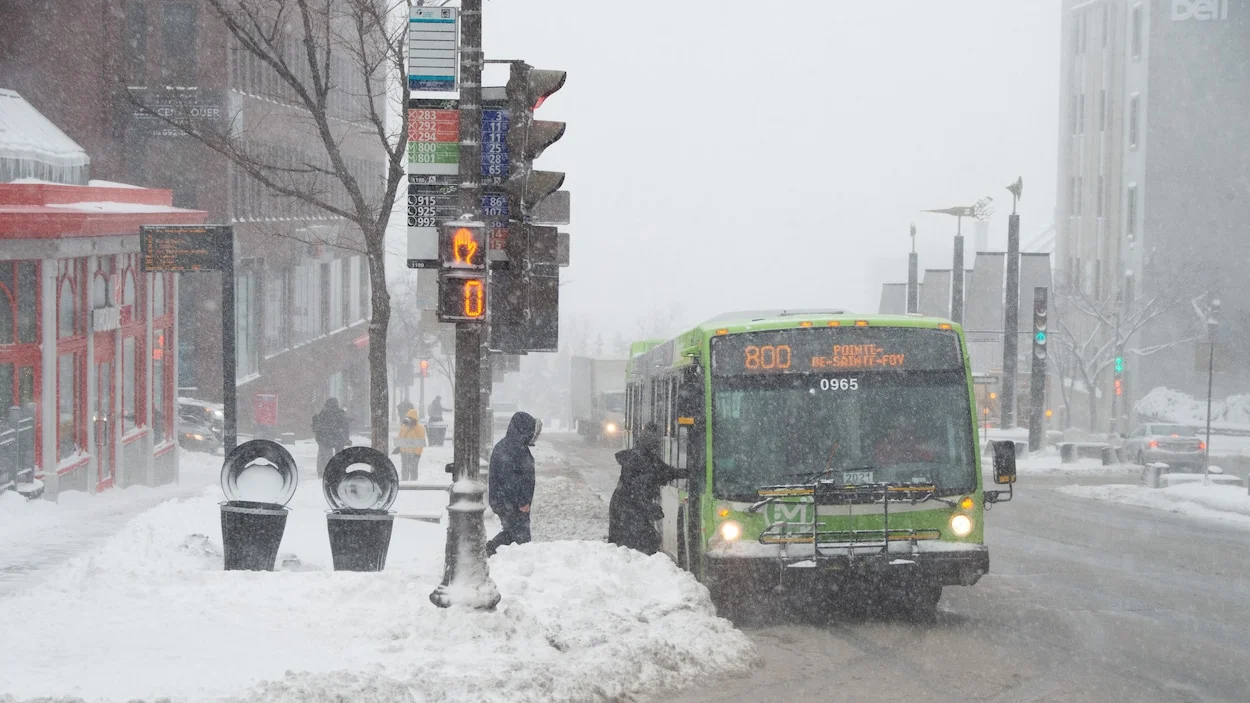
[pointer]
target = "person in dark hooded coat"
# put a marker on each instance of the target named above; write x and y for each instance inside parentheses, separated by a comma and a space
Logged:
(331, 429)
(512, 481)
(635, 505)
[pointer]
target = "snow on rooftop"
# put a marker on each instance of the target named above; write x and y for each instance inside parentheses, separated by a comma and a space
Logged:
(110, 184)
(113, 207)
(32, 146)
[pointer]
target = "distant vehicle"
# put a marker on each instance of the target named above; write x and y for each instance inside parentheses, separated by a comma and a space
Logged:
(213, 415)
(1177, 446)
(196, 435)
(597, 397)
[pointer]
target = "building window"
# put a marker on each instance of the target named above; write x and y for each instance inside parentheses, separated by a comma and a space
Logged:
(1080, 115)
(1130, 212)
(67, 309)
(1102, 110)
(158, 294)
(129, 405)
(179, 35)
(246, 323)
(1074, 115)
(1133, 109)
(19, 291)
(1137, 31)
(69, 419)
(345, 290)
(136, 42)
(158, 390)
(323, 294)
(366, 304)
(277, 290)
(1100, 197)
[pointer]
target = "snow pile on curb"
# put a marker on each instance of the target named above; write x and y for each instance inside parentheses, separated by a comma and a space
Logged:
(1168, 405)
(1046, 462)
(1219, 502)
(151, 614)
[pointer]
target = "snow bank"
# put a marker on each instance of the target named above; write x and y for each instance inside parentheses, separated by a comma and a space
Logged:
(151, 614)
(1217, 502)
(1046, 462)
(1167, 405)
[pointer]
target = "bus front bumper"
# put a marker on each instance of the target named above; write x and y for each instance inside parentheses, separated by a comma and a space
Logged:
(761, 566)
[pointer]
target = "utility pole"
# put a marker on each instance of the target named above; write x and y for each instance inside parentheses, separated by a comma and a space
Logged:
(1213, 326)
(466, 577)
(913, 281)
(1037, 376)
(1011, 313)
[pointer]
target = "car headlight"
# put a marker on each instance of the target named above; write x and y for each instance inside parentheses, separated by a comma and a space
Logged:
(610, 428)
(961, 525)
(730, 531)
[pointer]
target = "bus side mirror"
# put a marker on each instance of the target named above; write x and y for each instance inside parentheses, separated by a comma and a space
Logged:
(1004, 461)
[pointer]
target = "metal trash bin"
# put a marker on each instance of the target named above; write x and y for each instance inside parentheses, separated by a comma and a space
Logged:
(359, 539)
(436, 434)
(251, 534)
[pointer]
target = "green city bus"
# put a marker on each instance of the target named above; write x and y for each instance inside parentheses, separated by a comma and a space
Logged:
(826, 452)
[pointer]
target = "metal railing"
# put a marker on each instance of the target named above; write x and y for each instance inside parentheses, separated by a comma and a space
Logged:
(17, 447)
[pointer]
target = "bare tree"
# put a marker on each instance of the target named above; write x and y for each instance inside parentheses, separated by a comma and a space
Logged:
(659, 322)
(1091, 331)
(329, 65)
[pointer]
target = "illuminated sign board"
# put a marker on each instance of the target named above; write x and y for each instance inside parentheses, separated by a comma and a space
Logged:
(180, 248)
(824, 350)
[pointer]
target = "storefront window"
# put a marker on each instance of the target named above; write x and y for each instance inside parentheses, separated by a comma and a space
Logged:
(6, 316)
(158, 400)
(66, 309)
(67, 411)
(27, 300)
(246, 324)
(129, 421)
(275, 311)
(158, 294)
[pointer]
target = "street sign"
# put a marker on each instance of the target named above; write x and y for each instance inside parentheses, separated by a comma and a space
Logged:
(433, 46)
(433, 141)
(179, 248)
(431, 202)
(494, 146)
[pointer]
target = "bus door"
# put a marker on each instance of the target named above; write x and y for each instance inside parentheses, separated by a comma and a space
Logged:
(680, 499)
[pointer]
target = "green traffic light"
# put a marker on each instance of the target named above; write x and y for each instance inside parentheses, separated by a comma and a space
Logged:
(1119, 364)
(1041, 337)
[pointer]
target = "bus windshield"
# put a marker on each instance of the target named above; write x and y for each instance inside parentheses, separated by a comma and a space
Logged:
(872, 427)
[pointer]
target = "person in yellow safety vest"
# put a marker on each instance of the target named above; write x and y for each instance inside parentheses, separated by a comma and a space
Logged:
(409, 445)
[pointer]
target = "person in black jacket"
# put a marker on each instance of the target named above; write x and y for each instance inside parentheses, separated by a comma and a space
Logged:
(330, 429)
(635, 505)
(436, 410)
(512, 481)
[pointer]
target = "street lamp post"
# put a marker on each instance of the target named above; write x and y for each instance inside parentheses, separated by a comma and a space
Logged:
(980, 211)
(1011, 312)
(1213, 325)
(913, 279)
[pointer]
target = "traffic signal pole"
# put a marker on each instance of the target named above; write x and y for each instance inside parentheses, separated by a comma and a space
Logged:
(1037, 376)
(466, 576)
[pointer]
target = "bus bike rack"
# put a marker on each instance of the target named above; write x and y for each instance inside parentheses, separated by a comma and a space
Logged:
(853, 541)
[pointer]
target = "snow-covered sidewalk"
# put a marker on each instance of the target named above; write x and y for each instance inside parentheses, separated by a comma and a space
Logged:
(150, 613)
(1228, 503)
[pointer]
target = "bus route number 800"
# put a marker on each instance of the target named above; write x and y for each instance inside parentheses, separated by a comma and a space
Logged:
(767, 358)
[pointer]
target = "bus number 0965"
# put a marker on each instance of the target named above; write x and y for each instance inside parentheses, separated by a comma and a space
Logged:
(767, 357)
(839, 384)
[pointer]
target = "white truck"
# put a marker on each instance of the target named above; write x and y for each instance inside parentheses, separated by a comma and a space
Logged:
(597, 398)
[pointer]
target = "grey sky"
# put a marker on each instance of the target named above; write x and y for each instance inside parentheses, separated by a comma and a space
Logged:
(727, 155)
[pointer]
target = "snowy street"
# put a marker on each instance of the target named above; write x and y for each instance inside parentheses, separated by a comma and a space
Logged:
(1085, 601)
(148, 613)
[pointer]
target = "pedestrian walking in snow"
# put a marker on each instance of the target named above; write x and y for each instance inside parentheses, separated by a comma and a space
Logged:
(635, 505)
(436, 409)
(409, 445)
(331, 430)
(512, 481)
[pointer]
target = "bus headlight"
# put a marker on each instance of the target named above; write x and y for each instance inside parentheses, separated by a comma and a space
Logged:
(610, 428)
(961, 525)
(730, 531)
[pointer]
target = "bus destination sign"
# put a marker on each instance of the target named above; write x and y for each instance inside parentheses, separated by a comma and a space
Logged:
(182, 248)
(836, 350)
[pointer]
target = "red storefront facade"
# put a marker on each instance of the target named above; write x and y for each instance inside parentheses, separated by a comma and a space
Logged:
(87, 340)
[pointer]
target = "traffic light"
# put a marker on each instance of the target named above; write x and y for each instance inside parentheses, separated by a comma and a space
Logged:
(462, 248)
(1119, 374)
(425, 368)
(1119, 364)
(525, 297)
(1039, 323)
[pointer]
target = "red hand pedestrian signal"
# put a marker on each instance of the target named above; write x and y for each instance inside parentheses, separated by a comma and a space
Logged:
(464, 247)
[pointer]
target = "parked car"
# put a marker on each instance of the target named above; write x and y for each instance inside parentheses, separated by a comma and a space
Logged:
(196, 435)
(212, 415)
(1177, 446)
